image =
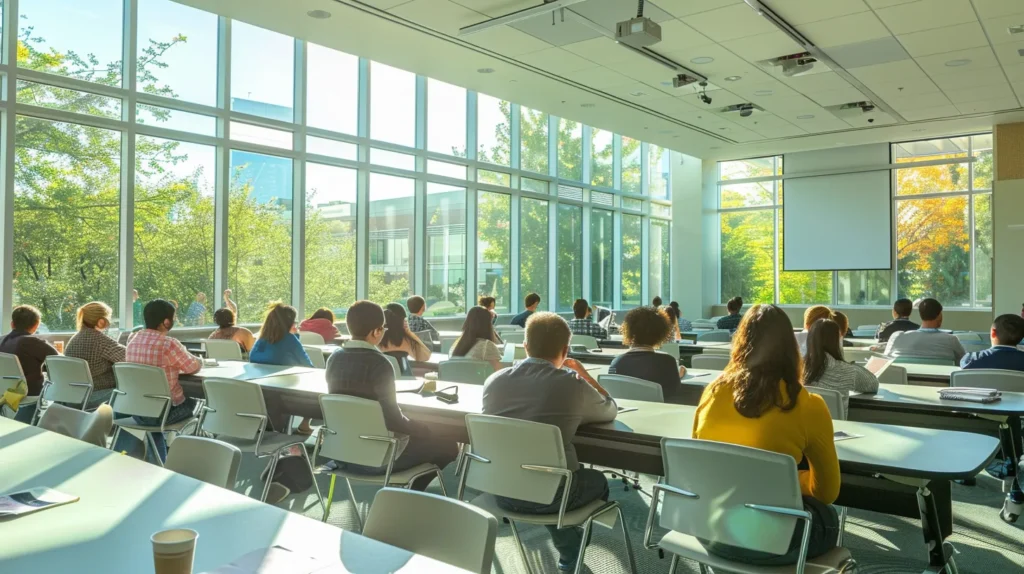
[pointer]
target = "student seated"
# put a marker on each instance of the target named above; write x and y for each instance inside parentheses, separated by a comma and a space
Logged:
(583, 324)
(321, 322)
(478, 340)
(488, 303)
(398, 338)
(656, 302)
(732, 320)
(31, 352)
(811, 316)
(540, 389)
(844, 326)
(359, 369)
(825, 367)
(901, 310)
(226, 329)
(927, 342)
(417, 324)
(92, 345)
(759, 402)
(671, 314)
(530, 303)
(684, 324)
(1007, 333)
(279, 345)
(152, 346)
(644, 329)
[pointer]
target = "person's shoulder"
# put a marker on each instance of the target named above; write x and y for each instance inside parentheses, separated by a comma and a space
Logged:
(812, 405)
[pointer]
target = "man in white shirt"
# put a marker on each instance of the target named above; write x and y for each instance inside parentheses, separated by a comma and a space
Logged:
(927, 342)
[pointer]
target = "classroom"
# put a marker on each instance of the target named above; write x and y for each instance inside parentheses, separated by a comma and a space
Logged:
(512, 286)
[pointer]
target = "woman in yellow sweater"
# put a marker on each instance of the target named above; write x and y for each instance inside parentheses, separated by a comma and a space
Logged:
(759, 402)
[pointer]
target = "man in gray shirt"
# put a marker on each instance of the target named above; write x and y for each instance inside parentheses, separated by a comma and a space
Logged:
(549, 388)
(927, 342)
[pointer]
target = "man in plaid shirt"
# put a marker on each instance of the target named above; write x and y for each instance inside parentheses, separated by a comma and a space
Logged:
(417, 323)
(582, 325)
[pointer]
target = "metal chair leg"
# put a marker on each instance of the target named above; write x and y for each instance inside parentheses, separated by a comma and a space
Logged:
(312, 475)
(675, 562)
(842, 525)
(270, 478)
(626, 540)
(113, 439)
(330, 498)
(583, 545)
(156, 452)
(519, 544)
(355, 505)
(440, 481)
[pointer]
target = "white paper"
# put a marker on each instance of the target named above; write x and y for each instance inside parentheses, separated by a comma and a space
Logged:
(32, 500)
(843, 435)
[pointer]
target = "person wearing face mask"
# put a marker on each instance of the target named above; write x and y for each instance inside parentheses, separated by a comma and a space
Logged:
(96, 348)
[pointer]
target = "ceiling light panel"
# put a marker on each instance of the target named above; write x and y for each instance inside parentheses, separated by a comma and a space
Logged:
(918, 16)
(560, 34)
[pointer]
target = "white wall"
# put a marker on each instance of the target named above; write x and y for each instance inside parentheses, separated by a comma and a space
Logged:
(1008, 223)
(687, 234)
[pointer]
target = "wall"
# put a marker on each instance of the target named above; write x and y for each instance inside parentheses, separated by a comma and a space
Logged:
(687, 234)
(1008, 219)
(952, 319)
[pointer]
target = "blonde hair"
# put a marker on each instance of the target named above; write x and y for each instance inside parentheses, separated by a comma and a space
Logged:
(813, 314)
(547, 334)
(90, 314)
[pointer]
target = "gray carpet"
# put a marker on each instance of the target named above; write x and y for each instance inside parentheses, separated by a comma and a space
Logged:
(880, 543)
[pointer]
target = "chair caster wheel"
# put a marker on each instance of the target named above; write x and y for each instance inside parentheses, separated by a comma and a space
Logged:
(1011, 511)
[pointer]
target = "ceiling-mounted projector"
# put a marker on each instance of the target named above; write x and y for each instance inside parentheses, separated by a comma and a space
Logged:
(639, 32)
(797, 66)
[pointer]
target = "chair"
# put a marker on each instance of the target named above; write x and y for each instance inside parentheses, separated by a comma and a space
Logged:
(235, 412)
(88, 427)
(865, 333)
(69, 382)
(401, 360)
(1001, 380)
(468, 371)
(316, 356)
(923, 361)
(426, 337)
(716, 336)
(858, 354)
(354, 432)
(833, 400)
(710, 362)
(974, 346)
(515, 337)
(968, 337)
(623, 387)
(513, 352)
(670, 349)
(310, 338)
(871, 328)
(10, 372)
(206, 459)
(525, 460)
(893, 375)
(756, 508)
(143, 391)
(447, 343)
(447, 530)
(507, 329)
(587, 340)
(399, 375)
(223, 349)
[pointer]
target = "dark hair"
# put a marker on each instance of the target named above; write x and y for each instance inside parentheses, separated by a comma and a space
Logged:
(675, 305)
(764, 352)
(531, 299)
(930, 309)
(363, 318)
(487, 301)
(671, 312)
(24, 317)
(224, 317)
(156, 312)
(843, 321)
(323, 313)
(734, 305)
(394, 320)
(656, 302)
(547, 335)
(415, 303)
(903, 307)
(823, 339)
(278, 321)
(580, 308)
(644, 327)
(477, 326)
(1009, 329)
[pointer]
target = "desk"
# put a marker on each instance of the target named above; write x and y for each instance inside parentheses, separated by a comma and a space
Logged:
(124, 501)
(929, 373)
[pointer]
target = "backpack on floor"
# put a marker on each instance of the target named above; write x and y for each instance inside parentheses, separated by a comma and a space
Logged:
(292, 472)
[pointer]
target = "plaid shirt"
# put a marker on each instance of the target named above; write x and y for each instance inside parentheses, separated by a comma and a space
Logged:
(418, 324)
(100, 351)
(587, 327)
(150, 347)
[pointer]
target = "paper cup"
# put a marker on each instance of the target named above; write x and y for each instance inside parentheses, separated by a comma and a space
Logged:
(173, 551)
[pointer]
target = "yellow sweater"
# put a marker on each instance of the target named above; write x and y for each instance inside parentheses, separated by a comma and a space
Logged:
(806, 430)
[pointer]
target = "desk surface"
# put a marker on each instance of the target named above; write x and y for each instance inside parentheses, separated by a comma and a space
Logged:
(111, 528)
(244, 371)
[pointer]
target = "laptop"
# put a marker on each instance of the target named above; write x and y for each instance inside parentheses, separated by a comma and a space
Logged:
(878, 365)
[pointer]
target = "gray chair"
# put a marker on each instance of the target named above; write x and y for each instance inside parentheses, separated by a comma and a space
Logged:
(710, 362)
(756, 508)
(316, 356)
(1001, 380)
(515, 337)
(223, 349)
(716, 336)
(68, 382)
(894, 375)
(445, 529)
(513, 352)
(88, 427)
(426, 337)
(670, 349)
(968, 337)
(206, 459)
(399, 376)
(833, 400)
(11, 373)
(585, 340)
(468, 371)
(507, 329)
(311, 338)
(447, 343)
(632, 388)
(143, 391)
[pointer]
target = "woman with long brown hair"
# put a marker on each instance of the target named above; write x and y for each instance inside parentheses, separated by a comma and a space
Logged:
(478, 340)
(759, 402)
(398, 338)
(278, 344)
(825, 367)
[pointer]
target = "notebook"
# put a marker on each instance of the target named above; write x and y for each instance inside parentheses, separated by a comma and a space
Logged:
(878, 365)
(970, 394)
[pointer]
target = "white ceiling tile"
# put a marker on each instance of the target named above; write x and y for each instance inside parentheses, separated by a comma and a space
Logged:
(918, 114)
(891, 72)
(781, 131)
(763, 46)
(731, 22)
(495, 8)
(386, 4)
(635, 92)
(880, 119)
(602, 50)
(669, 106)
(996, 105)
(1010, 54)
(994, 8)
(906, 88)
(440, 15)
(844, 30)
(876, 4)
(642, 69)
(675, 35)
(967, 95)
(978, 58)
(680, 8)
(997, 28)
(798, 12)
(836, 97)
(969, 79)
(948, 39)
(926, 15)
(817, 82)
(508, 41)
(555, 60)
(1015, 73)
(598, 77)
(905, 103)
(781, 106)
(1019, 89)
(822, 123)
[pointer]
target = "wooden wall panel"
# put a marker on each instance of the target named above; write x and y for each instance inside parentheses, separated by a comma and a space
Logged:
(1009, 150)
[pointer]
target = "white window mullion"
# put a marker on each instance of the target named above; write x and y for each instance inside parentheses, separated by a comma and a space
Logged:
(127, 209)
(223, 183)
(299, 182)
(7, 144)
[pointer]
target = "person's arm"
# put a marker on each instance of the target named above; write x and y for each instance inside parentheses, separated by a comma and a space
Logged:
(492, 355)
(576, 367)
(966, 360)
(299, 356)
(112, 351)
(822, 479)
(865, 381)
(417, 350)
(597, 406)
(383, 381)
(246, 338)
(891, 345)
(179, 358)
(229, 303)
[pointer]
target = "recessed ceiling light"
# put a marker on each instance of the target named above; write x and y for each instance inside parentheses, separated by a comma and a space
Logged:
(806, 117)
(485, 70)
(638, 94)
(587, 105)
(1019, 29)
(319, 14)
(733, 78)
(958, 63)
(763, 93)
(702, 60)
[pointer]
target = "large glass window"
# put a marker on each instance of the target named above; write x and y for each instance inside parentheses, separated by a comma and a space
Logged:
(330, 238)
(533, 129)
(177, 49)
(632, 266)
(748, 255)
(332, 89)
(493, 130)
(660, 265)
(570, 255)
(446, 250)
(602, 158)
(494, 244)
(659, 174)
(933, 249)
(80, 40)
(570, 150)
(262, 72)
(446, 118)
(802, 287)
(392, 231)
(533, 250)
(631, 165)
(602, 258)
(392, 105)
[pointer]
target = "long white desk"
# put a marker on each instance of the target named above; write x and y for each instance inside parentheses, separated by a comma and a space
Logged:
(124, 501)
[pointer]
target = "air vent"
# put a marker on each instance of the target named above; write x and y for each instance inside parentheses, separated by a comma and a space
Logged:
(569, 192)
(601, 198)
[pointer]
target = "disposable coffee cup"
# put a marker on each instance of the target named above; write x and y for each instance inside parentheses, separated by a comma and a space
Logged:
(173, 551)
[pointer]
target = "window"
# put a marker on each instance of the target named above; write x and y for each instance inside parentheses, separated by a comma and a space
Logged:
(262, 72)
(570, 150)
(865, 287)
(446, 169)
(330, 238)
(658, 173)
(66, 217)
(392, 159)
(184, 41)
(494, 243)
(493, 130)
(446, 250)
(802, 287)
(631, 165)
(175, 120)
(446, 118)
(533, 250)
(261, 136)
(332, 89)
(602, 158)
(748, 255)
(80, 40)
(68, 100)
(660, 263)
(533, 131)
(392, 105)
(533, 185)
(259, 232)
(174, 230)
(391, 237)
(570, 255)
(331, 148)
(602, 257)
(632, 266)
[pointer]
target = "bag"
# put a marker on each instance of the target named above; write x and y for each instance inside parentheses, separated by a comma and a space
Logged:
(293, 473)
(12, 397)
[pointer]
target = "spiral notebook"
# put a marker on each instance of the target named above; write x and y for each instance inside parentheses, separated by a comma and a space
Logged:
(970, 394)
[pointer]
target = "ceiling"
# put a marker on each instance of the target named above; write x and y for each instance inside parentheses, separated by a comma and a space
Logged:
(940, 66)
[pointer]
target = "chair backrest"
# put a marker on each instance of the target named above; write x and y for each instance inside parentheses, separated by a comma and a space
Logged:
(904, 360)
(445, 529)
(137, 385)
(206, 459)
(720, 513)
(310, 338)
(401, 361)
(346, 418)
(507, 328)
(316, 356)
(447, 343)
(513, 352)
(468, 371)
(974, 346)
(587, 340)
(867, 328)
(70, 380)
(10, 369)
(623, 387)
(833, 400)
(89, 427)
(426, 337)
(710, 362)
(894, 375)
(516, 337)
(228, 401)
(670, 349)
(716, 336)
(1003, 380)
(223, 349)
(509, 444)
(968, 337)
(396, 366)
(865, 333)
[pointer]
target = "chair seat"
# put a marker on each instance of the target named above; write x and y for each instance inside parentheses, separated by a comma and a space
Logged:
(131, 423)
(397, 478)
(271, 443)
(687, 546)
(572, 517)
